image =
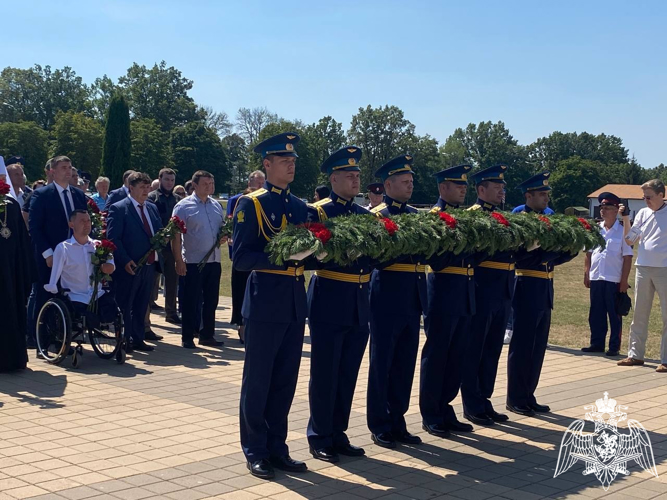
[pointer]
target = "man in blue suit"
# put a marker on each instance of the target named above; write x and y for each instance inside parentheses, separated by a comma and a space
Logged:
(131, 224)
(339, 315)
(50, 208)
(122, 192)
(397, 299)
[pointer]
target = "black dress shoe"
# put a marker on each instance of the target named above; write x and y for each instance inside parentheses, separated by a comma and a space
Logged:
(188, 344)
(142, 346)
(538, 408)
(349, 450)
(611, 353)
(437, 430)
(497, 417)
(521, 410)
(592, 348)
(211, 342)
(174, 320)
(384, 439)
(261, 469)
(151, 335)
(479, 419)
(155, 307)
(406, 437)
(327, 454)
(288, 464)
(457, 426)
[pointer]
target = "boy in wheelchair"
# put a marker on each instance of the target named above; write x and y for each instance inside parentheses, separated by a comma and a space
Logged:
(73, 268)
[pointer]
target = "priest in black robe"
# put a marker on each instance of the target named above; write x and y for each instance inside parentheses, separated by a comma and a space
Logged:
(16, 275)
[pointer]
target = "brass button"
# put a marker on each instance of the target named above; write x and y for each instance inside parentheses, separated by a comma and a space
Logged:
(286, 200)
(290, 215)
(361, 271)
(361, 286)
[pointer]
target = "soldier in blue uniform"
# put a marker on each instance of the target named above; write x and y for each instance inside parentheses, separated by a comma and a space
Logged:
(494, 281)
(397, 299)
(339, 335)
(274, 310)
(451, 305)
(532, 304)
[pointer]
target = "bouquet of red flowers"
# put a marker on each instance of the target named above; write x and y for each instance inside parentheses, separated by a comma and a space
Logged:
(104, 249)
(225, 230)
(5, 189)
(162, 238)
(96, 219)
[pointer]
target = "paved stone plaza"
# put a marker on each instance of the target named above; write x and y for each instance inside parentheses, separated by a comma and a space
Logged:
(165, 425)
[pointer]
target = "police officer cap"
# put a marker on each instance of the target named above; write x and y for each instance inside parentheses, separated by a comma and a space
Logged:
(493, 174)
(15, 159)
(539, 182)
(86, 176)
(608, 198)
(399, 165)
(281, 145)
(346, 159)
(375, 188)
(457, 174)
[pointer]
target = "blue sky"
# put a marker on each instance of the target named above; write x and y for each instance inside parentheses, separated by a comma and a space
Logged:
(595, 66)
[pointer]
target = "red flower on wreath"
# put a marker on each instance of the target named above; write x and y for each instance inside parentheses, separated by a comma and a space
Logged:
(106, 245)
(4, 188)
(584, 223)
(500, 218)
(320, 231)
(179, 224)
(92, 207)
(390, 226)
(545, 220)
(448, 219)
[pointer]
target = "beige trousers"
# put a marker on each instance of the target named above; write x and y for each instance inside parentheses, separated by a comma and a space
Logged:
(648, 281)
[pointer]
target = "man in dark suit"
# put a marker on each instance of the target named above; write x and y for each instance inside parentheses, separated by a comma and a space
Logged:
(122, 192)
(50, 208)
(131, 224)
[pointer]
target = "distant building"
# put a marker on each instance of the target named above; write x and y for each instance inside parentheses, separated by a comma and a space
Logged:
(631, 196)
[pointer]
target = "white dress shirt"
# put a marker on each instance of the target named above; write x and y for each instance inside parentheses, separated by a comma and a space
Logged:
(653, 243)
(72, 265)
(48, 252)
(607, 264)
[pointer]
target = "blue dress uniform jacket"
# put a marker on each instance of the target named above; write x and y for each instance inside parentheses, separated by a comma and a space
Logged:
(274, 309)
(533, 302)
(494, 281)
(398, 298)
(451, 304)
(338, 318)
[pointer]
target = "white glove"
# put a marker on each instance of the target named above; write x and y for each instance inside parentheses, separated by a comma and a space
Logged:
(301, 255)
(534, 246)
(321, 256)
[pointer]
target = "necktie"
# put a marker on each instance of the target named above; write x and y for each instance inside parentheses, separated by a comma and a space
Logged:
(68, 210)
(147, 229)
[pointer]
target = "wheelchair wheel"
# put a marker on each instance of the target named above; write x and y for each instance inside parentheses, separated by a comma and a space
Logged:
(54, 331)
(106, 342)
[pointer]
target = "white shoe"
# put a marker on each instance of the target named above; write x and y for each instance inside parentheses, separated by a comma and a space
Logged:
(508, 336)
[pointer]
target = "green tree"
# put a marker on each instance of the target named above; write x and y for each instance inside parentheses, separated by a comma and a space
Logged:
(487, 144)
(117, 141)
(160, 93)
(101, 92)
(250, 122)
(573, 180)
(196, 147)
(659, 172)
(378, 132)
(38, 93)
(546, 152)
(80, 138)
(151, 147)
(236, 151)
(324, 137)
(29, 140)
(426, 162)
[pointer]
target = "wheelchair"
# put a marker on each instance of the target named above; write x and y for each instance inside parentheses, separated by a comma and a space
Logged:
(58, 325)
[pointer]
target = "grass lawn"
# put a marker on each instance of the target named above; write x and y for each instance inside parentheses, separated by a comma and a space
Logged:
(569, 322)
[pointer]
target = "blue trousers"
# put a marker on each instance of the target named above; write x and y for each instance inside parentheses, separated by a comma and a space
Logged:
(442, 356)
(335, 357)
(270, 372)
(526, 353)
(487, 330)
(393, 354)
(132, 295)
(603, 306)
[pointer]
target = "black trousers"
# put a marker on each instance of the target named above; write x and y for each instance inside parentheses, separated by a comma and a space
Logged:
(603, 306)
(204, 283)
(239, 282)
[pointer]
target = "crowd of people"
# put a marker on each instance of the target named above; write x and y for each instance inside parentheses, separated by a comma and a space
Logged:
(466, 300)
